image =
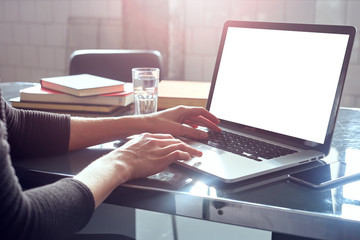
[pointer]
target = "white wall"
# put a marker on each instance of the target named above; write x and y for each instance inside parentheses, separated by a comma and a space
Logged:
(36, 35)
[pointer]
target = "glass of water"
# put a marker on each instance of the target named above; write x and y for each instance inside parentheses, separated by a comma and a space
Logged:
(145, 81)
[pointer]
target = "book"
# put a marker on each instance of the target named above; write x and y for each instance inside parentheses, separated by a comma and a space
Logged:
(82, 85)
(15, 102)
(189, 93)
(40, 94)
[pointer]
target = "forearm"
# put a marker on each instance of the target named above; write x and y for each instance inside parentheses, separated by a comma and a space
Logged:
(103, 176)
(85, 132)
(90, 131)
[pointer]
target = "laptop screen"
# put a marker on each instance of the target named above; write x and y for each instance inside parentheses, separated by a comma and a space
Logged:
(281, 81)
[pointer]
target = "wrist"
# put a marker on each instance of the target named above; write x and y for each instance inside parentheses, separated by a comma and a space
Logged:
(137, 124)
(103, 175)
(115, 167)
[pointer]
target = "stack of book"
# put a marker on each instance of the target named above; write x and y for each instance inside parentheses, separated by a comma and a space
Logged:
(79, 95)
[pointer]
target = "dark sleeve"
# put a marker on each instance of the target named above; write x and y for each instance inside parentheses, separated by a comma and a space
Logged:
(50, 212)
(35, 133)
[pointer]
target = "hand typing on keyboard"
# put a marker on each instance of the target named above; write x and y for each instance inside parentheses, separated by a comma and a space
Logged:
(181, 121)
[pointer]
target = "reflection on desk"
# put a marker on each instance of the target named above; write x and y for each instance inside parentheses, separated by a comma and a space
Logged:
(269, 202)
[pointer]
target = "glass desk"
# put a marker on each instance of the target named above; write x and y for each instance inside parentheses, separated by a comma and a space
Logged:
(269, 202)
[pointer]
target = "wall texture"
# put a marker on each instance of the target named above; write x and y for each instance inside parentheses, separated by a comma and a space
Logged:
(38, 36)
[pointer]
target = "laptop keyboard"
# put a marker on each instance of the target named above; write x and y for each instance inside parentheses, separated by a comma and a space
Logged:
(245, 146)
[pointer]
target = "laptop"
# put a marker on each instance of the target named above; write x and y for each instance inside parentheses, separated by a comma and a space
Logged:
(276, 89)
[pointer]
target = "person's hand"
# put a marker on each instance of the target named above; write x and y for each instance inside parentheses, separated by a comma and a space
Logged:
(144, 155)
(147, 154)
(172, 121)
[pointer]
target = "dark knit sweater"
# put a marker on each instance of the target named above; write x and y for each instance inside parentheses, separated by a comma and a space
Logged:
(50, 212)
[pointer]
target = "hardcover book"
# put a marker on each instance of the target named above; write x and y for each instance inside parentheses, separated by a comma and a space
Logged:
(39, 94)
(82, 85)
(15, 102)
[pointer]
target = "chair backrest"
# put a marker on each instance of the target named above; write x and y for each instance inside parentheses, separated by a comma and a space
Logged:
(115, 64)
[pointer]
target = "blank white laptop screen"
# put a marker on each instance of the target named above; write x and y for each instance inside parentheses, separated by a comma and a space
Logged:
(280, 81)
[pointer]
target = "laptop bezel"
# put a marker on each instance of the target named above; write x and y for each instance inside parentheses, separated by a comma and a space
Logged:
(292, 141)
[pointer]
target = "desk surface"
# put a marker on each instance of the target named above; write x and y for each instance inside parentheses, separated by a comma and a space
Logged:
(269, 202)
